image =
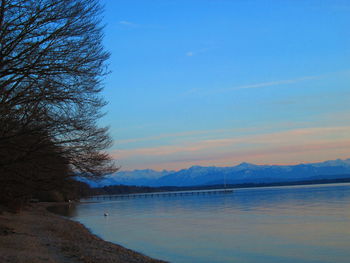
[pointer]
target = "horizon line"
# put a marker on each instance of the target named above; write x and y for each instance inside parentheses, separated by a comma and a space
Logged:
(226, 166)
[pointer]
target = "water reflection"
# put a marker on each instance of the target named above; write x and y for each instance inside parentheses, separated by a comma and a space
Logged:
(281, 224)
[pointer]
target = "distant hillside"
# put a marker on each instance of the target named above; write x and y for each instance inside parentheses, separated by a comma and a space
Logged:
(241, 174)
(137, 177)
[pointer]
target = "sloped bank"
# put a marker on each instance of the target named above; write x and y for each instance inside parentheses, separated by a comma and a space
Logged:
(37, 235)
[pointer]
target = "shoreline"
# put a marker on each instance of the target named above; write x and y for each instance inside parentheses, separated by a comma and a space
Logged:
(38, 235)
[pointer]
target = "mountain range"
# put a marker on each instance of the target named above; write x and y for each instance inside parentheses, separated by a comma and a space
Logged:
(242, 173)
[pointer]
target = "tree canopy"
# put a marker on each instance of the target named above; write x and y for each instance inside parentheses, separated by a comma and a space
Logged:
(52, 64)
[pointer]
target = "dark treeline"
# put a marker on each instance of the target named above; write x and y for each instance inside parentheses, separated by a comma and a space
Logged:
(123, 189)
(52, 62)
(71, 190)
(127, 189)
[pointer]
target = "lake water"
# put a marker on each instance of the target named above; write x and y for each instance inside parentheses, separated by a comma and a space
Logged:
(276, 224)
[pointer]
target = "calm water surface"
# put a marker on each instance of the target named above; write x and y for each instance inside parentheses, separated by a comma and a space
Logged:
(277, 224)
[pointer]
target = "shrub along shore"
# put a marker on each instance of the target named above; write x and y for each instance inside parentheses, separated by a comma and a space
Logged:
(37, 235)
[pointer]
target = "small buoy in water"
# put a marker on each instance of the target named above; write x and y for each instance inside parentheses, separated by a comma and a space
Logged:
(105, 214)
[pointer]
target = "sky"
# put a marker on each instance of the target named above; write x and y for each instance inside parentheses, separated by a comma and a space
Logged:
(220, 82)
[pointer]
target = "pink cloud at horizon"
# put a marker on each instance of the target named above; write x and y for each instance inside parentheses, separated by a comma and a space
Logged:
(287, 147)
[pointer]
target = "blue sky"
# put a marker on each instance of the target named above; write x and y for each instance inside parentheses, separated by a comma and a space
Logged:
(218, 82)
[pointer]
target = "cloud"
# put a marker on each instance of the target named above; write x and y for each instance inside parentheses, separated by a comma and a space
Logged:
(297, 145)
(163, 136)
(251, 86)
(192, 53)
(193, 135)
(127, 23)
(130, 24)
(271, 83)
(267, 84)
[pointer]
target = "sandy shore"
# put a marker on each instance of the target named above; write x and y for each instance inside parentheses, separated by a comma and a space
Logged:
(36, 236)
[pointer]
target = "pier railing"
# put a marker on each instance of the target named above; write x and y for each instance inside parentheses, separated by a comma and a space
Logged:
(161, 194)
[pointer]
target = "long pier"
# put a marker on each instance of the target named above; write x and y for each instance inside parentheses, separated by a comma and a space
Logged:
(161, 194)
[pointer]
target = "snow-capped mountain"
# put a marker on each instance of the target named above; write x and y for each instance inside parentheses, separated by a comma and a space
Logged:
(242, 173)
(136, 177)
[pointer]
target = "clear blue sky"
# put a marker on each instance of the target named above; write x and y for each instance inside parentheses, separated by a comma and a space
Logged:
(218, 82)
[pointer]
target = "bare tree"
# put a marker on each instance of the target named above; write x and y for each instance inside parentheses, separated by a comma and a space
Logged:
(52, 62)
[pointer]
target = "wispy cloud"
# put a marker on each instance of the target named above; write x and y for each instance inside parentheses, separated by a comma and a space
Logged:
(298, 145)
(162, 136)
(127, 23)
(194, 134)
(213, 91)
(271, 83)
(203, 92)
(284, 137)
(192, 53)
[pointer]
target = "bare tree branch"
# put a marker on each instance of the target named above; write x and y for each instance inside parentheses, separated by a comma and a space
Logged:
(52, 63)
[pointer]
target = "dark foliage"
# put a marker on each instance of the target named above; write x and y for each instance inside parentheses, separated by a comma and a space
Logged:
(123, 189)
(70, 190)
(127, 189)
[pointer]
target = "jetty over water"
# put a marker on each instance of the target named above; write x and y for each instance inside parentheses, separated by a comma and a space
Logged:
(162, 194)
